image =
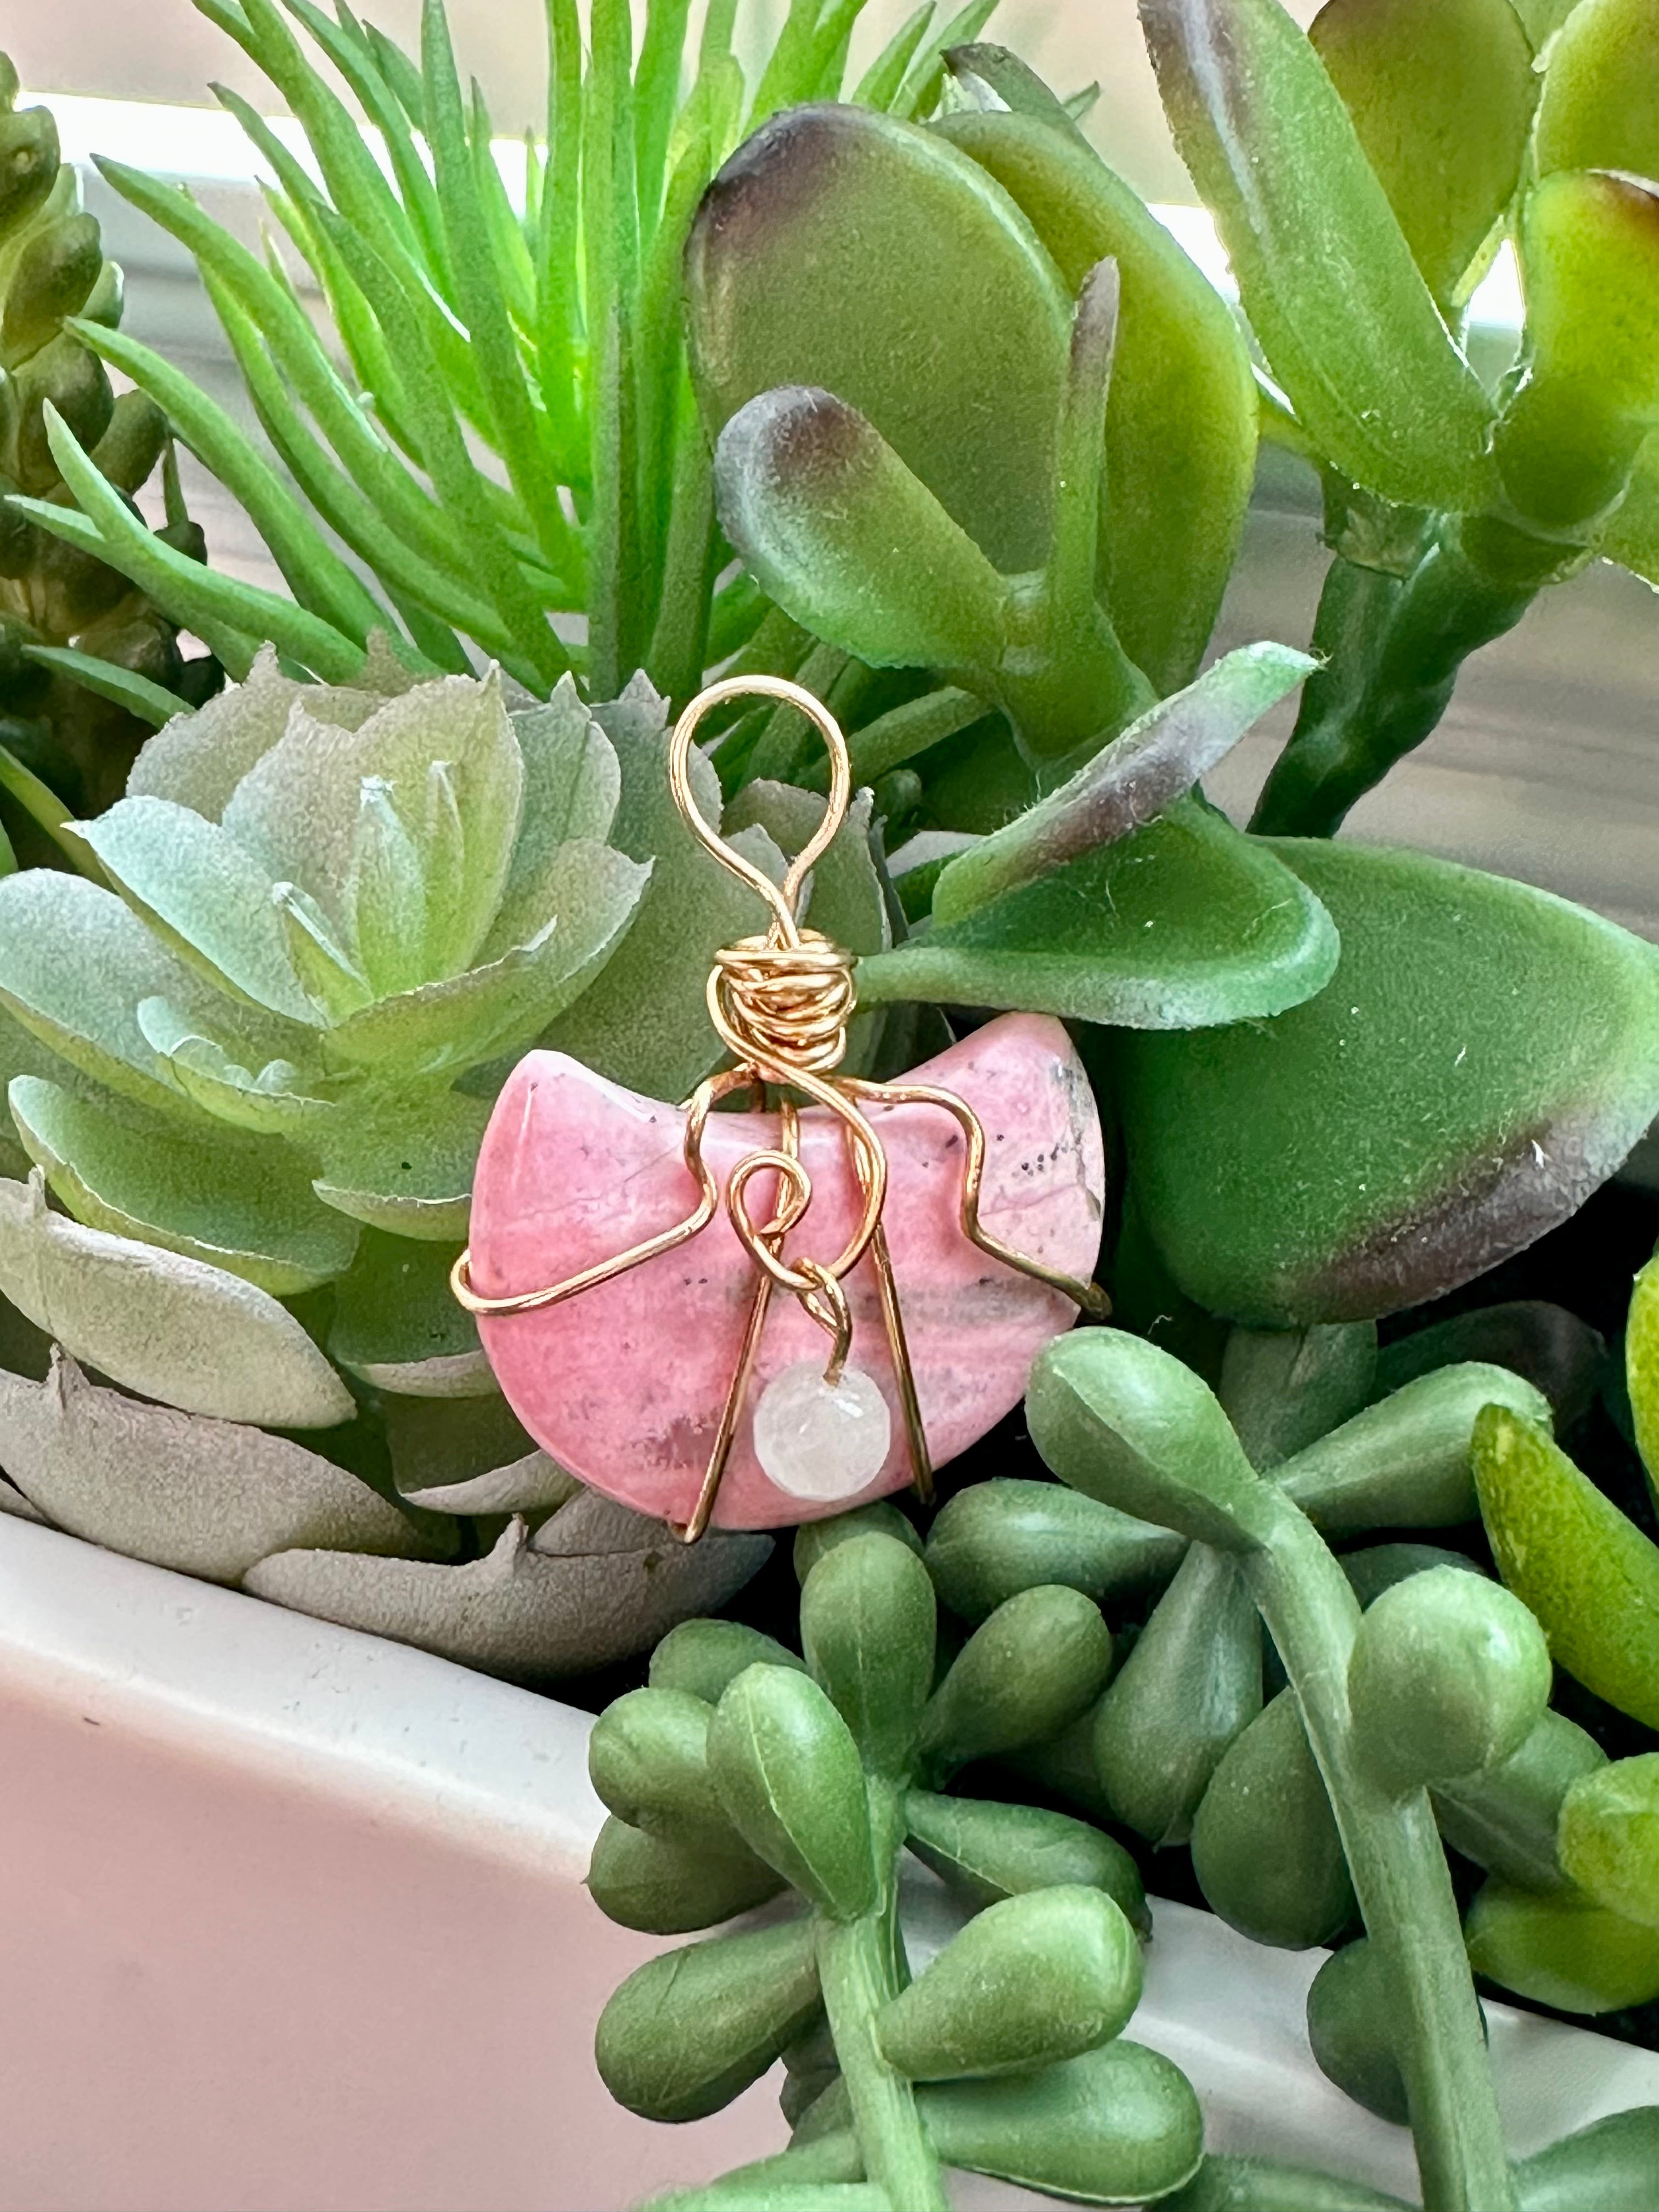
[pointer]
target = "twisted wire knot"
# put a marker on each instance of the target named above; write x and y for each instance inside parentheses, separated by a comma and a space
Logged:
(783, 1008)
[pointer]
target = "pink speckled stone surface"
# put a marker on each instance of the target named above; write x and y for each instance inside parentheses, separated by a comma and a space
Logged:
(623, 1385)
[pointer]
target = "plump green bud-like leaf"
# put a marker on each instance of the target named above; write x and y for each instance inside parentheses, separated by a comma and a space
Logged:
(49, 279)
(995, 1538)
(1180, 421)
(1552, 1349)
(1609, 2164)
(1405, 1462)
(1346, 320)
(1035, 1979)
(1589, 265)
(28, 164)
(867, 1626)
(1040, 1660)
(647, 1757)
(1485, 1056)
(991, 1851)
(1192, 1681)
(1226, 2183)
(1123, 1421)
(1506, 1818)
(1586, 1573)
(705, 1656)
(1266, 1848)
(1641, 1367)
(788, 1772)
(1597, 111)
(1129, 783)
(688, 2031)
(1441, 92)
(1609, 1836)
(1562, 1950)
(1450, 1675)
(1350, 2030)
(1283, 1389)
(1120, 2125)
(844, 250)
(845, 539)
(1184, 922)
(664, 1886)
(815, 1540)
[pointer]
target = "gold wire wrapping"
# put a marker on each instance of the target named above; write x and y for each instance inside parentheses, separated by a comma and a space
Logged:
(781, 1004)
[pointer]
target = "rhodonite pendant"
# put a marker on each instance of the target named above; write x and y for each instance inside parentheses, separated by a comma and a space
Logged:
(929, 1235)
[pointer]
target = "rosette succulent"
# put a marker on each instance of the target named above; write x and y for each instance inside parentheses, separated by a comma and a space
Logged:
(254, 1062)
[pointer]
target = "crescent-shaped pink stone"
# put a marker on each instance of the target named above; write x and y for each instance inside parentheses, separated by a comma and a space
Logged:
(623, 1384)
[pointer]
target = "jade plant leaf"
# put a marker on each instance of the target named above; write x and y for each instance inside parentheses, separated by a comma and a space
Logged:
(862, 255)
(1181, 420)
(1186, 922)
(246, 1207)
(1597, 110)
(1348, 325)
(204, 1496)
(1441, 92)
(155, 1322)
(524, 1611)
(838, 532)
(1126, 785)
(1485, 1056)
(1586, 1573)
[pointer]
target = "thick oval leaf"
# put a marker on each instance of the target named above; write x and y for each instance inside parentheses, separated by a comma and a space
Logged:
(1506, 1820)
(1605, 2167)
(1350, 2023)
(841, 249)
(245, 1206)
(399, 1328)
(1120, 2125)
(1346, 322)
(1181, 420)
(1265, 1846)
(787, 1772)
(1484, 1057)
(1041, 1658)
(1441, 92)
(1587, 1574)
(1642, 1367)
(518, 1612)
(991, 1851)
(1128, 784)
(1610, 1836)
(207, 1498)
(1187, 923)
(994, 1538)
(154, 1321)
(867, 1621)
(1597, 111)
(1561, 1950)
(669, 1887)
(835, 529)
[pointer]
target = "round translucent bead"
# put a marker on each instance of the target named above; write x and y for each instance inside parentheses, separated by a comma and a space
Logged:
(820, 1442)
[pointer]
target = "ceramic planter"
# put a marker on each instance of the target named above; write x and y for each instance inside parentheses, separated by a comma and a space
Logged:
(295, 1924)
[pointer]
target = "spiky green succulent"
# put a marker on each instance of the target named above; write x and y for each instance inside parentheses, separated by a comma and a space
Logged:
(79, 645)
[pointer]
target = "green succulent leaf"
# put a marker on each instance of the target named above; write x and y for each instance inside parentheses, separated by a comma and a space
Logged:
(1040, 1660)
(1129, 783)
(271, 1097)
(688, 2031)
(705, 1657)
(1561, 1950)
(245, 1207)
(835, 528)
(397, 1326)
(1181, 420)
(668, 1886)
(1441, 92)
(1587, 1574)
(861, 256)
(1483, 1058)
(1596, 112)
(647, 1758)
(1035, 1979)
(991, 1851)
(1506, 1818)
(572, 785)
(866, 1626)
(1610, 2162)
(1120, 2125)
(167, 1326)
(1641, 1367)
(1186, 922)
(403, 1164)
(994, 1538)
(148, 703)
(1349, 2031)
(1570, 436)
(786, 1769)
(1449, 1676)
(1266, 1848)
(1609, 1836)
(1347, 323)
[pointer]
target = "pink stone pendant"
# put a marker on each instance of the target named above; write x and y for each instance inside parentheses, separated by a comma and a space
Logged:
(625, 1385)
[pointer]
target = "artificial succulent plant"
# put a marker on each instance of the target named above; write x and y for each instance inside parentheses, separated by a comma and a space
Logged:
(86, 661)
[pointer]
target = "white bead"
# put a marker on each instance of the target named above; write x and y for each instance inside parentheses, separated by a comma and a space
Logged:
(819, 1442)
